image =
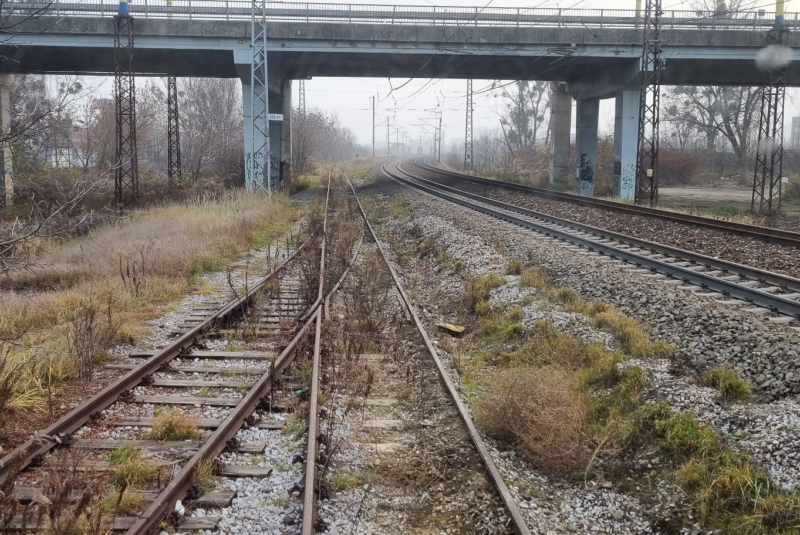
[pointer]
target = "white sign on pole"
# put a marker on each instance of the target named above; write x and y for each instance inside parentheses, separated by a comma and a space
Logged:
(276, 117)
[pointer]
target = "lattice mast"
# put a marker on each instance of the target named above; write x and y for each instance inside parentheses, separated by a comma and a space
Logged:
(468, 138)
(126, 169)
(173, 131)
(260, 175)
(302, 103)
(647, 154)
(769, 150)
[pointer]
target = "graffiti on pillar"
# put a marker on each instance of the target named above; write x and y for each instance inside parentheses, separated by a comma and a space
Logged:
(617, 177)
(274, 172)
(627, 184)
(248, 170)
(585, 172)
(9, 189)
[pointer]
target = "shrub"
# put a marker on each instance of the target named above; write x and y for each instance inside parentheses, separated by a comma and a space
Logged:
(174, 425)
(728, 383)
(514, 267)
(538, 411)
(629, 334)
(533, 278)
(479, 288)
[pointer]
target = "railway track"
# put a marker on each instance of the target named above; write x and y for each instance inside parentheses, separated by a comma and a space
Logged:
(766, 234)
(277, 308)
(735, 284)
(517, 520)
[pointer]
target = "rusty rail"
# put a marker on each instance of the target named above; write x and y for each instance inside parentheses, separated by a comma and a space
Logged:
(71, 422)
(177, 488)
(309, 501)
(505, 494)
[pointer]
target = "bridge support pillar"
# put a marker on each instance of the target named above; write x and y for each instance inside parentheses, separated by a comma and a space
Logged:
(587, 116)
(286, 131)
(6, 165)
(275, 103)
(560, 122)
(626, 143)
(249, 132)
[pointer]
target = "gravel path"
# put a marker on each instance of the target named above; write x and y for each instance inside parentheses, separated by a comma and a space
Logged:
(706, 332)
(710, 242)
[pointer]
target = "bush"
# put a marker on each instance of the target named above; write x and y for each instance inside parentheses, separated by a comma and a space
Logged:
(538, 411)
(728, 383)
(514, 267)
(479, 288)
(533, 278)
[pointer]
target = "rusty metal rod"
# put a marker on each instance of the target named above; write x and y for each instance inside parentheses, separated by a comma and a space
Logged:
(309, 500)
(516, 517)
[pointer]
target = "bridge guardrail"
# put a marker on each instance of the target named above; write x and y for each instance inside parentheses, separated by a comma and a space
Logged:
(404, 14)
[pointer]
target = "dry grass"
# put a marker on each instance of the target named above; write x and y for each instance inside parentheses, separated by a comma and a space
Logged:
(538, 410)
(127, 270)
(174, 425)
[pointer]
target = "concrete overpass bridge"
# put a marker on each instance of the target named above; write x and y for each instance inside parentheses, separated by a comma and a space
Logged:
(588, 55)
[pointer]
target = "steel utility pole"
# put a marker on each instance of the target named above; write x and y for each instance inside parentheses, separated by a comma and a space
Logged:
(468, 165)
(388, 143)
(372, 101)
(441, 135)
(173, 131)
(647, 154)
(768, 172)
(302, 98)
(260, 172)
(126, 166)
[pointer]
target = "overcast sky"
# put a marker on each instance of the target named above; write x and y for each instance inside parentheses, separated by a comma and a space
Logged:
(409, 108)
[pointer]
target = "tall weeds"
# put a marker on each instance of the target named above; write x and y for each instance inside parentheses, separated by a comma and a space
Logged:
(59, 314)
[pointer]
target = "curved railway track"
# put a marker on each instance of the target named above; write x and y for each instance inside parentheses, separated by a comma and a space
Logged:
(771, 292)
(766, 234)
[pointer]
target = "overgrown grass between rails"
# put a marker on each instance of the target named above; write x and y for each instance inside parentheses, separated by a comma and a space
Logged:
(129, 269)
(131, 467)
(174, 425)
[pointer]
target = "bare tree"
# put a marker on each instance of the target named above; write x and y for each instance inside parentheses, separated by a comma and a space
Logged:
(729, 111)
(525, 109)
(319, 137)
(211, 126)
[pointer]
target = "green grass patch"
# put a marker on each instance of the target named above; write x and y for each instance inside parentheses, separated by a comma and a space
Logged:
(479, 288)
(727, 382)
(131, 466)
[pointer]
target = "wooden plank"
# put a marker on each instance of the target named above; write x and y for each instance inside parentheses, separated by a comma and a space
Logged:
(187, 400)
(196, 369)
(208, 499)
(191, 400)
(154, 446)
(245, 355)
(236, 470)
(187, 383)
(205, 423)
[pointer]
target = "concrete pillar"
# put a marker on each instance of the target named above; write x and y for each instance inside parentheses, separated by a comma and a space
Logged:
(6, 162)
(560, 121)
(286, 131)
(275, 135)
(247, 122)
(587, 116)
(626, 143)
